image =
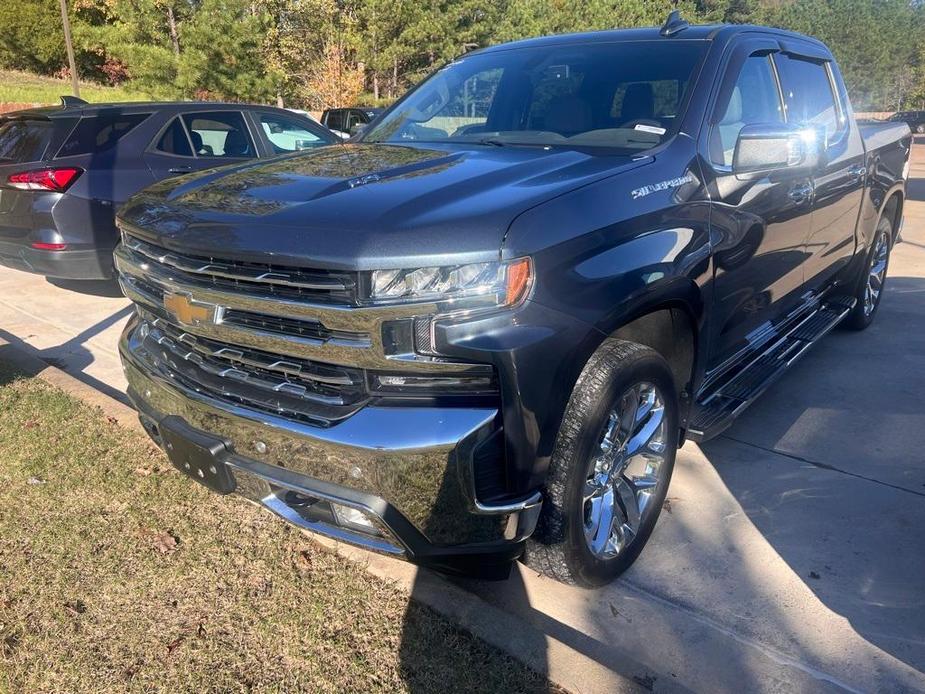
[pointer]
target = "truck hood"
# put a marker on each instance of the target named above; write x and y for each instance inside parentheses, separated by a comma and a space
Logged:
(362, 206)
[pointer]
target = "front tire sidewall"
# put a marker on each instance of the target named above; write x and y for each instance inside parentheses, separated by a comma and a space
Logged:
(603, 382)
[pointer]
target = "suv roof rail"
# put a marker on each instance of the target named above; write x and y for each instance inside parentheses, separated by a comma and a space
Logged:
(68, 101)
(674, 24)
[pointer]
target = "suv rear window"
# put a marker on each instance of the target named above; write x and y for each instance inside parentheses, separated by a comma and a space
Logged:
(24, 140)
(99, 133)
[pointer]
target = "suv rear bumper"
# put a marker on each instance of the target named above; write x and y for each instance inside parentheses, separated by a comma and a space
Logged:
(89, 264)
(406, 469)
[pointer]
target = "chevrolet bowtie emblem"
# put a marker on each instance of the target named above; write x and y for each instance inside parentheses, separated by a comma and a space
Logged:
(187, 311)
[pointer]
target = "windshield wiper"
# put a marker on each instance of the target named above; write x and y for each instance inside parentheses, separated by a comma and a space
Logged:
(493, 141)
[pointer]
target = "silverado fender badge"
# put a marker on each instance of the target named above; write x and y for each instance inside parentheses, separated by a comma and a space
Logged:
(189, 312)
(364, 180)
(662, 185)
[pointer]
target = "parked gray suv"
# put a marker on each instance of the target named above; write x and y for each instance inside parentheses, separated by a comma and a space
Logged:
(64, 170)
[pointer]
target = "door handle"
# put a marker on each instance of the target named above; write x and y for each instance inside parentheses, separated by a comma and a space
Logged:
(801, 194)
(857, 172)
(180, 169)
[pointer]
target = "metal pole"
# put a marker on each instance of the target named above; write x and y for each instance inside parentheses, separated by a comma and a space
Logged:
(75, 85)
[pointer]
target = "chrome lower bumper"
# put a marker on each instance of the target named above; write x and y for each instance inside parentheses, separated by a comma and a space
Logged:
(407, 467)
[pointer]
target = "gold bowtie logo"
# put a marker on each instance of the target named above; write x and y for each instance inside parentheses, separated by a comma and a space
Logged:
(187, 311)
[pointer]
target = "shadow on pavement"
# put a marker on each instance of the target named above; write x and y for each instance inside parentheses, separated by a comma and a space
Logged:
(78, 357)
(915, 189)
(846, 511)
(103, 288)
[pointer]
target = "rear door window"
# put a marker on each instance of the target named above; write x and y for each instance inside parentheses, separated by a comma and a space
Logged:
(99, 133)
(219, 134)
(335, 120)
(355, 118)
(808, 96)
(24, 140)
(174, 140)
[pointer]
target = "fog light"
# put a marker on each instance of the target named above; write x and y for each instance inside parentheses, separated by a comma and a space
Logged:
(353, 518)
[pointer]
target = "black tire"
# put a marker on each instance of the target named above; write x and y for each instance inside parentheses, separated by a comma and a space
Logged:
(559, 549)
(861, 316)
(920, 128)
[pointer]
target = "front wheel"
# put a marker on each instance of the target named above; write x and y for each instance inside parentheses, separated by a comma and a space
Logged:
(610, 468)
(920, 128)
(869, 292)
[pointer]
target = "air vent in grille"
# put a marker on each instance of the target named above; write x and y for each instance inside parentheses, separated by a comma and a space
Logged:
(313, 392)
(319, 286)
(288, 326)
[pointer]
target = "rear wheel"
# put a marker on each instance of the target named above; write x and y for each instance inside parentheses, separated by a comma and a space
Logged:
(869, 292)
(611, 466)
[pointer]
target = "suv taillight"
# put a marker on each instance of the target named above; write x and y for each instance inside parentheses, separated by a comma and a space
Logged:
(57, 180)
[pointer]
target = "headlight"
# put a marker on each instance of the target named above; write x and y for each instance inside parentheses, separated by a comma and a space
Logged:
(495, 283)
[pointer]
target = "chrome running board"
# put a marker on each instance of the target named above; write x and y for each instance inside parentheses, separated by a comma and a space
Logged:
(717, 408)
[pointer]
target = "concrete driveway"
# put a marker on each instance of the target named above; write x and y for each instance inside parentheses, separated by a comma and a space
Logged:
(791, 556)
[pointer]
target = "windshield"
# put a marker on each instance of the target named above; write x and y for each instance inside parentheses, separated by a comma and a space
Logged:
(627, 95)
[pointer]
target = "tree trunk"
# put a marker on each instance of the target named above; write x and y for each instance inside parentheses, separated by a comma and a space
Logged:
(393, 91)
(172, 26)
(279, 99)
(75, 82)
(376, 86)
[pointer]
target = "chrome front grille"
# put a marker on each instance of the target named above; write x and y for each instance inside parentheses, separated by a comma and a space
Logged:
(248, 314)
(222, 329)
(304, 390)
(314, 285)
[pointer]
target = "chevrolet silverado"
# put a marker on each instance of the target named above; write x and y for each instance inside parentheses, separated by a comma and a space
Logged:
(479, 331)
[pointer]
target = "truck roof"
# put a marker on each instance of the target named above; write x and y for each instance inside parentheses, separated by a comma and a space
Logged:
(695, 32)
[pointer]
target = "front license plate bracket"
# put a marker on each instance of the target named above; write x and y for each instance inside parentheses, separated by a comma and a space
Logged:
(197, 454)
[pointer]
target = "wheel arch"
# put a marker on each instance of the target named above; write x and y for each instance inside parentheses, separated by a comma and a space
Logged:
(671, 330)
(671, 322)
(893, 208)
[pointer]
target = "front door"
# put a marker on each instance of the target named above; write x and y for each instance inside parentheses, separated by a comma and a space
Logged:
(759, 222)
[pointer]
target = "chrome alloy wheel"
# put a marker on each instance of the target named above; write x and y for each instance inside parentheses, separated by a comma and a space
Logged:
(877, 274)
(625, 470)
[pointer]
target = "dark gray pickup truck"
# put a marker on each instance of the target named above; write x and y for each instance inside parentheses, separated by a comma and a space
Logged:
(480, 330)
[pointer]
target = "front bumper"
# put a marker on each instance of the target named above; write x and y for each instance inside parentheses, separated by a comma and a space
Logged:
(407, 468)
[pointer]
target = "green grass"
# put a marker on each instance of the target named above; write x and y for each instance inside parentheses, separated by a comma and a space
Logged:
(26, 88)
(117, 573)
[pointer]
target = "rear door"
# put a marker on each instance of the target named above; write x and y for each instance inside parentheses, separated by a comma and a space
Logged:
(200, 140)
(758, 221)
(813, 100)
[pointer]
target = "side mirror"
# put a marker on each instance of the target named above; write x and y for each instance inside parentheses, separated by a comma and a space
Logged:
(763, 148)
(357, 129)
